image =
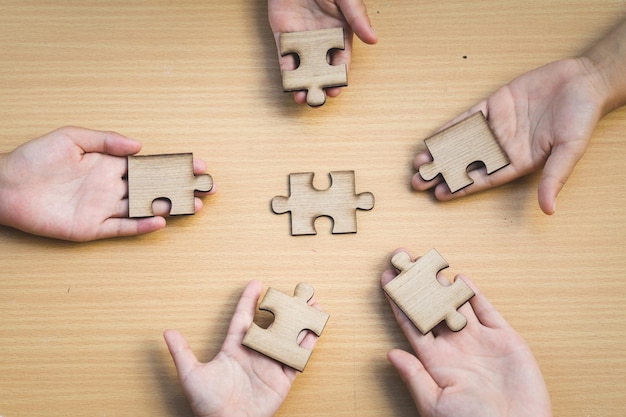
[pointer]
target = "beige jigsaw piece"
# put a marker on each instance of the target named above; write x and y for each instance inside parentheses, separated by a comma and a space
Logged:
(306, 203)
(168, 176)
(292, 315)
(455, 148)
(314, 73)
(422, 298)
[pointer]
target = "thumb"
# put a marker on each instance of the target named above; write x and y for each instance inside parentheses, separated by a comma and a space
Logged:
(556, 171)
(355, 14)
(420, 383)
(110, 143)
(184, 358)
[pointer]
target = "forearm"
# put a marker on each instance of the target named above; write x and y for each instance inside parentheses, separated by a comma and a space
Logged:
(607, 60)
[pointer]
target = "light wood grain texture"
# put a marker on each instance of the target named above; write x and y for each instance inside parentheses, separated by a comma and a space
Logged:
(313, 73)
(170, 176)
(306, 203)
(424, 300)
(457, 147)
(81, 324)
(292, 315)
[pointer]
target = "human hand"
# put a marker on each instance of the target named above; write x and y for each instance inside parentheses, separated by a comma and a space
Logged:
(68, 184)
(239, 381)
(484, 370)
(301, 15)
(544, 118)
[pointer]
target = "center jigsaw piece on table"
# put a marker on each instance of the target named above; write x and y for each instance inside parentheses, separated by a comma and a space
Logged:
(314, 73)
(454, 149)
(306, 203)
(168, 176)
(292, 315)
(421, 296)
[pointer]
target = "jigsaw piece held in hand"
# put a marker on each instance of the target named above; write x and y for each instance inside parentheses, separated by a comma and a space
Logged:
(455, 148)
(292, 315)
(168, 176)
(313, 73)
(422, 298)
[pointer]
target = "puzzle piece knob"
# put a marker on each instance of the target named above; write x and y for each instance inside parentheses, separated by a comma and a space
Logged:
(456, 321)
(304, 291)
(315, 97)
(402, 261)
(203, 183)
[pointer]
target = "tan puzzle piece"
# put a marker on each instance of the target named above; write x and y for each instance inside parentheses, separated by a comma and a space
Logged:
(422, 298)
(169, 176)
(306, 203)
(457, 147)
(314, 72)
(292, 315)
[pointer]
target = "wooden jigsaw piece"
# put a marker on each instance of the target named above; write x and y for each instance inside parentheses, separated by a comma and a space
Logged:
(169, 176)
(422, 298)
(306, 203)
(454, 149)
(292, 315)
(314, 72)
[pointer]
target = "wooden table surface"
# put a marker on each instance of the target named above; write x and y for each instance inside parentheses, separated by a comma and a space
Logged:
(81, 324)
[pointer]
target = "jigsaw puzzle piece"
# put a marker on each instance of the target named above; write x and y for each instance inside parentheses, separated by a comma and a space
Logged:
(306, 203)
(422, 298)
(169, 176)
(314, 73)
(455, 148)
(292, 315)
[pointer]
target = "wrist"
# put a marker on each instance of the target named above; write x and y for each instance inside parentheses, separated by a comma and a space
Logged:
(4, 185)
(611, 89)
(606, 66)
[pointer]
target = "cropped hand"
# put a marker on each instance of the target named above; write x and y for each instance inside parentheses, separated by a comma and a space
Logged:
(544, 118)
(69, 184)
(239, 381)
(301, 15)
(484, 370)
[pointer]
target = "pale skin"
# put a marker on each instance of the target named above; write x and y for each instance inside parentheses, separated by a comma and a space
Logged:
(69, 184)
(546, 118)
(484, 370)
(238, 382)
(302, 15)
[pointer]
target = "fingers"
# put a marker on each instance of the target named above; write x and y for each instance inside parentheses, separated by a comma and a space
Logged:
(99, 141)
(243, 316)
(300, 97)
(483, 310)
(422, 386)
(417, 182)
(307, 339)
(120, 227)
(160, 208)
(184, 359)
(355, 13)
(480, 179)
(199, 168)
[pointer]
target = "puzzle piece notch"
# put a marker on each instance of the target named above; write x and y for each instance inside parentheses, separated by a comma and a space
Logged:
(422, 298)
(170, 176)
(455, 148)
(306, 203)
(314, 72)
(292, 315)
